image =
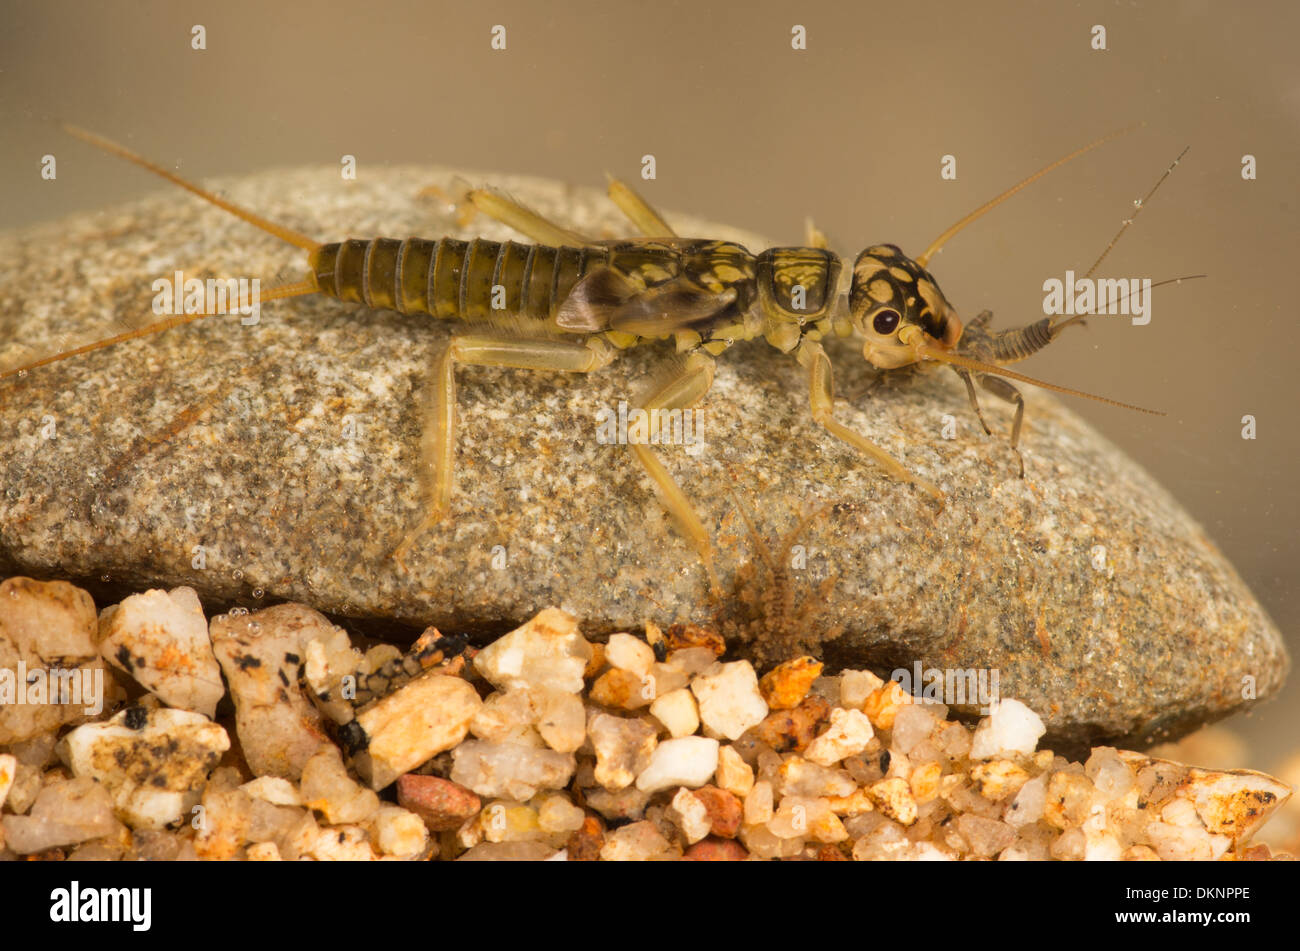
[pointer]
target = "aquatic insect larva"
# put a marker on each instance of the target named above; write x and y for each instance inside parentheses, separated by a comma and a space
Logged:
(581, 301)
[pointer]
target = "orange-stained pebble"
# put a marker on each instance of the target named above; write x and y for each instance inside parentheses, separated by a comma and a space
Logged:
(716, 850)
(883, 704)
(785, 686)
(725, 810)
(694, 635)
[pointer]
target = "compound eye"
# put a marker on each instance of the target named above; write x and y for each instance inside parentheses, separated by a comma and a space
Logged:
(885, 322)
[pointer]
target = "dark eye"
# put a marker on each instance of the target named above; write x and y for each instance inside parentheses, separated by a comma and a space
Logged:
(886, 322)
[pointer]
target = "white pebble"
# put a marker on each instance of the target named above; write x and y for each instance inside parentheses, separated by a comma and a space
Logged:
(548, 651)
(729, 699)
(1011, 728)
(509, 770)
(629, 653)
(161, 639)
(849, 733)
(273, 789)
(678, 712)
(690, 815)
(561, 719)
(1028, 805)
(689, 761)
(914, 723)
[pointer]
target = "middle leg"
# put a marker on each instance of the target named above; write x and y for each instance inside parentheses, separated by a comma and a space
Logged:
(681, 392)
(438, 449)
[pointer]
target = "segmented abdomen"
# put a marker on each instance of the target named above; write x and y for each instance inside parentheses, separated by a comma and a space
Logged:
(453, 279)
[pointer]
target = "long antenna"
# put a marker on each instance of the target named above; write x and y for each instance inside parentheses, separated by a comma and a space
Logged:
(257, 221)
(944, 356)
(298, 289)
(1080, 318)
(1139, 205)
(940, 241)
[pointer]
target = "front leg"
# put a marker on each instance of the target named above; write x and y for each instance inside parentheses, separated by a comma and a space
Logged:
(974, 400)
(821, 393)
(1004, 390)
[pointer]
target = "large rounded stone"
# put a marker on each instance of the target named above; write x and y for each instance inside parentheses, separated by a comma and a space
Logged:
(279, 460)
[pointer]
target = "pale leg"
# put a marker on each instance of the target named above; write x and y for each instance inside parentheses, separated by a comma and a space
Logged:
(683, 391)
(648, 221)
(822, 397)
(438, 449)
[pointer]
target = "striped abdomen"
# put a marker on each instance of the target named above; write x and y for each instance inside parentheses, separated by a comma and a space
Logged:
(453, 279)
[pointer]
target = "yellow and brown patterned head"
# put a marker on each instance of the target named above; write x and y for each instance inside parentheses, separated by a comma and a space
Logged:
(897, 307)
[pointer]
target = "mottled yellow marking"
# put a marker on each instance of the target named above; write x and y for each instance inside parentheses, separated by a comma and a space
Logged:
(730, 274)
(867, 267)
(715, 347)
(881, 291)
(881, 251)
(901, 274)
(930, 294)
(654, 273)
(804, 274)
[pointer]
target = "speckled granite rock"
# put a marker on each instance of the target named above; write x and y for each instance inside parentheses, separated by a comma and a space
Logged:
(278, 460)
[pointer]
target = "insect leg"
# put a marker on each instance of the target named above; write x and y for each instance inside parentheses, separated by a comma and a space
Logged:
(457, 202)
(1004, 390)
(814, 237)
(438, 449)
(648, 221)
(974, 400)
(821, 395)
(682, 391)
(524, 220)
